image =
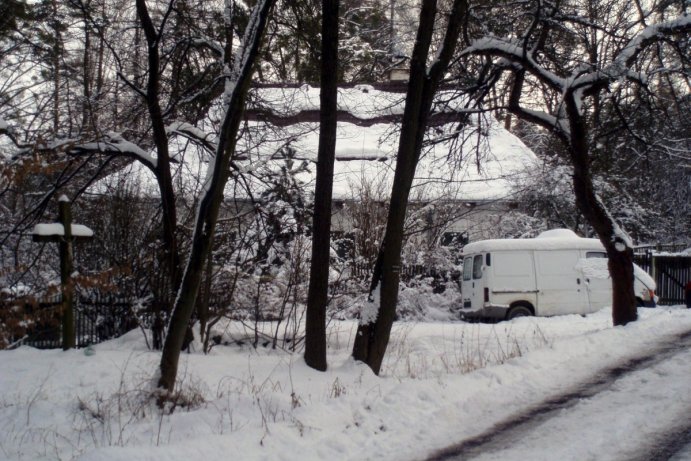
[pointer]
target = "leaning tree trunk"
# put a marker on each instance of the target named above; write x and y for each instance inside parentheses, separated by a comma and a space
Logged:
(373, 334)
(372, 337)
(317, 296)
(619, 252)
(237, 85)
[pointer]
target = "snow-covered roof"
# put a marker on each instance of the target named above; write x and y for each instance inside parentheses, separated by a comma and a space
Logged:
(367, 142)
(366, 146)
(557, 239)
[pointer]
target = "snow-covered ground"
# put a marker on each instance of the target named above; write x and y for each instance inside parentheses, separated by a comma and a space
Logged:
(441, 383)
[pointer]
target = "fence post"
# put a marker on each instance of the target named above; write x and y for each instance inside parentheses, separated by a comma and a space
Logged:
(65, 237)
(66, 269)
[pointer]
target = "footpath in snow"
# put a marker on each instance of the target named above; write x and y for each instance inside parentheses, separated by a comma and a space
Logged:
(442, 383)
(625, 401)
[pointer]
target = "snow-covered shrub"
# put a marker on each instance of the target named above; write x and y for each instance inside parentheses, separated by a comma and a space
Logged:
(259, 265)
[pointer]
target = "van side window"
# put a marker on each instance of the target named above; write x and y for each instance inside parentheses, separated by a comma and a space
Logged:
(477, 267)
(596, 254)
(468, 268)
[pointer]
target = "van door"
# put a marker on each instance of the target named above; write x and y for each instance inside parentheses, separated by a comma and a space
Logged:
(472, 287)
(597, 280)
(560, 284)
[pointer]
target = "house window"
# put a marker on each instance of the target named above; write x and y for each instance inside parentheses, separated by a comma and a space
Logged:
(454, 239)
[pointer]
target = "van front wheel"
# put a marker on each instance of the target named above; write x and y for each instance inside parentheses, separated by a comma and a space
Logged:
(518, 311)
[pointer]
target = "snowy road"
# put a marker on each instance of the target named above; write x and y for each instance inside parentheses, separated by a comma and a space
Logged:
(615, 416)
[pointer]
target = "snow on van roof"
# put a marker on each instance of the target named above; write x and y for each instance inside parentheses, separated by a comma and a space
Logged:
(558, 233)
(555, 239)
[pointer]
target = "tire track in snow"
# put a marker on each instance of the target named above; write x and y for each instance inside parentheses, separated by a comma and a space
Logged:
(675, 446)
(504, 434)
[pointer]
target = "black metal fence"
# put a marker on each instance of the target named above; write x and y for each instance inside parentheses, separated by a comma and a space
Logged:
(671, 273)
(97, 318)
(43, 320)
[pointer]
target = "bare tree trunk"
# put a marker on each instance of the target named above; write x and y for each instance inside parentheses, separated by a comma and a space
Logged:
(620, 254)
(163, 175)
(205, 295)
(317, 297)
(57, 51)
(372, 336)
(87, 72)
(619, 251)
(237, 84)
(100, 66)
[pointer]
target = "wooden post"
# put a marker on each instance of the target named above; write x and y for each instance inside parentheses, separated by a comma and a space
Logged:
(65, 234)
(66, 268)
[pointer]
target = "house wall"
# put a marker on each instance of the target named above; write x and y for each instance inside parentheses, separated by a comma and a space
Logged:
(475, 220)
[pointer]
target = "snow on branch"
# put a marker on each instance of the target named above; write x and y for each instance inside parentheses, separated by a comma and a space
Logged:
(6, 130)
(515, 52)
(547, 120)
(650, 34)
(205, 42)
(622, 63)
(114, 143)
(194, 134)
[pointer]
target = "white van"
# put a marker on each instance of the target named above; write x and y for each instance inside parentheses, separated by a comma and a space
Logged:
(555, 273)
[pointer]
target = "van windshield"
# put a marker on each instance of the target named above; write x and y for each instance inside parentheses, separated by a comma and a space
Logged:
(477, 267)
(468, 268)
